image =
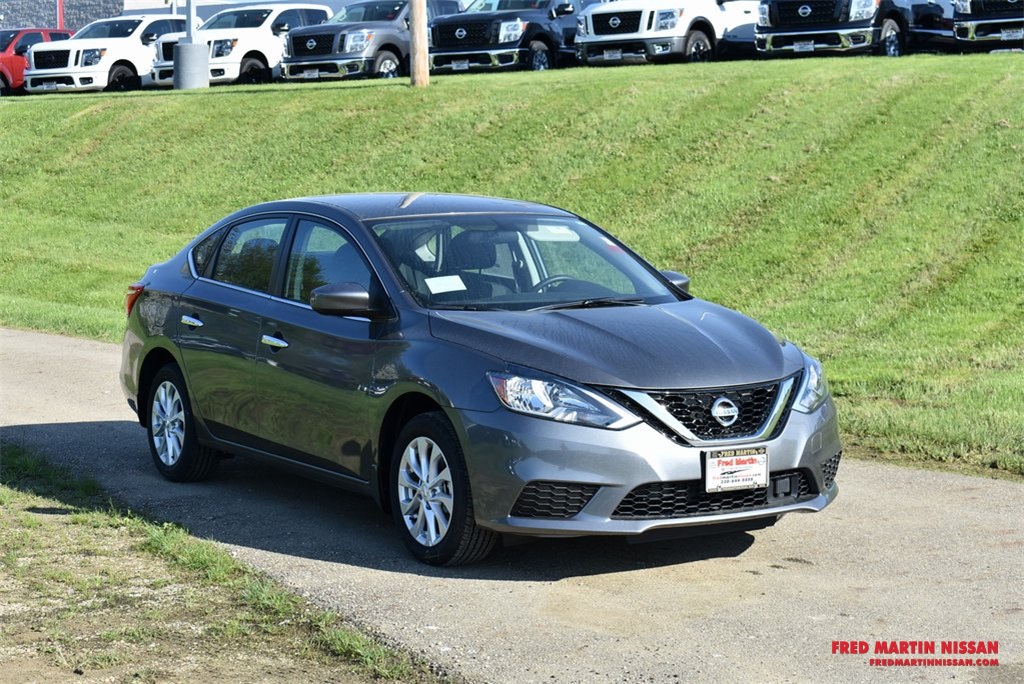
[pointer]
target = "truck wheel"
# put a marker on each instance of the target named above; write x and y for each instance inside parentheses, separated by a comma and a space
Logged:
(252, 72)
(891, 39)
(386, 65)
(698, 47)
(4, 90)
(540, 59)
(122, 79)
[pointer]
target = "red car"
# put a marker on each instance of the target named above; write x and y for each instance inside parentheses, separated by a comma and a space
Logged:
(14, 44)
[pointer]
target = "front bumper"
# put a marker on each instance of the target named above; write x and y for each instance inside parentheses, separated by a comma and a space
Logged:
(476, 60)
(313, 68)
(817, 39)
(992, 32)
(629, 51)
(221, 71)
(68, 80)
(540, 478)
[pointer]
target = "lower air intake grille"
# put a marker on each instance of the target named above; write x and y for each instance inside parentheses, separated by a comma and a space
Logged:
(829, 469)
(553, 499)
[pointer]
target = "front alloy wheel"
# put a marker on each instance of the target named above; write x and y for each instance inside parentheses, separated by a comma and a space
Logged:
(892, 39)
(430, 496)
(540, 58)
(698, 47)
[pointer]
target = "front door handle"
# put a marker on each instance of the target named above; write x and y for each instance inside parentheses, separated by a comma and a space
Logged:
(191, 322)
(274, 342)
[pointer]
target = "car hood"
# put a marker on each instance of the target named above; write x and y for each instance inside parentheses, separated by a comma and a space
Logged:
(80, 44)
(320, 29)
(215, 34)
(476, 17)
(691, 344)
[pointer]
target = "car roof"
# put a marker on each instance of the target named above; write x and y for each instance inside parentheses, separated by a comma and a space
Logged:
(403, 204)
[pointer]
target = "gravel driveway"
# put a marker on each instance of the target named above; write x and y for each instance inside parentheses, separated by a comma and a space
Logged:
(902, 555)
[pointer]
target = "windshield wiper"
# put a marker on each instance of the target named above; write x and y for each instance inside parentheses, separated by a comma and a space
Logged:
(463, 307)
(592, 303)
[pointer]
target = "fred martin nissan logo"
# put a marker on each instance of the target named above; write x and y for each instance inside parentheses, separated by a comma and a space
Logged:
(804, 11)
(460, 33)
(725, 412)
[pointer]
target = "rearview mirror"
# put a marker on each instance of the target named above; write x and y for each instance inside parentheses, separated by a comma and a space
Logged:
(280, 28)
(678, 280)
(344, 299)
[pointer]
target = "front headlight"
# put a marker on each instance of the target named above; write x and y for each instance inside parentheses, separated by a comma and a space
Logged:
(763, 15)
(223, 48)
(92, 57)
(358, 40)
(511, 31)
(559, 401)
(814, 389)
(430, 36)
(862, 9)
(581, 26)
(963, 6)
(667, 19)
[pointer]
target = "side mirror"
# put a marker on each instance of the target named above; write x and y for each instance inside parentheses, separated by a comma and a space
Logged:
(280, 28)
(344, 299)
(149, 38)
(678, 280)
(562, 10)
(21, 50)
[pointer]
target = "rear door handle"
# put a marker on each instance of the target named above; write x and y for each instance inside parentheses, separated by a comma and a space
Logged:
(274, 342)
(191, 322)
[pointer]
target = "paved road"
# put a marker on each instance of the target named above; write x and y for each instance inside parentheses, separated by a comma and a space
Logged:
(901, 555)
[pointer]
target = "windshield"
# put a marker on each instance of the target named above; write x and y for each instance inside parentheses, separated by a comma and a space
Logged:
(514, 263)
(237, 19)
(505, 5)
(5, 39)
(117, 28)
(368, 11)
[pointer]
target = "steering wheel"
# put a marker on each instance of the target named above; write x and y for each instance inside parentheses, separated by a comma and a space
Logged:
(550, 280)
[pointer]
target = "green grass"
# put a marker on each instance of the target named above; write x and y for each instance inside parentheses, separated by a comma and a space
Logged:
(871, 210)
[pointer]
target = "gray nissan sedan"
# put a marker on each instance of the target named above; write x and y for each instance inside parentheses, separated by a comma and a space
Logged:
(479, 367)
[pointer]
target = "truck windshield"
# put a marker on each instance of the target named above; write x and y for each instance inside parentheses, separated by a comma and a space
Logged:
(368, 11)
(237, 19)
(506, 5)
(5, 39)
(117, 28)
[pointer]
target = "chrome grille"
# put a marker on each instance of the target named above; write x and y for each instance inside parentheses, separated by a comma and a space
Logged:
(167, 50)
(477, 34)
(627, 22)
(822, 12)
(323, 44)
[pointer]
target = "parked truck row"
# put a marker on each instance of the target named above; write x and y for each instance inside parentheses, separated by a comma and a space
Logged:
(258, 43)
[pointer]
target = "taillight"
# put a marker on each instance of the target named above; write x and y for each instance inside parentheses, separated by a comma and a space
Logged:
(132, 296)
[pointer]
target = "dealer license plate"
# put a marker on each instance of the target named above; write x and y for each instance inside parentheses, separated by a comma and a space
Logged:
(730, 469)
(460, 65)
(803, 46)
(49, 86)
(311, 73)
(1012, 34)
(612, 55)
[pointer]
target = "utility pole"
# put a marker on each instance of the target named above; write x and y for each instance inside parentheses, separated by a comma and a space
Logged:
(60, 14)
(419, 65)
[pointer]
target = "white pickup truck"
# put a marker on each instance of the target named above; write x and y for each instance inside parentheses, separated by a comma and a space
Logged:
(109, 54)
(636, 31)
(246, 43)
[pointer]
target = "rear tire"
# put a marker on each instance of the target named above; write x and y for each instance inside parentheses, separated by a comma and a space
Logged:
(122, 79)
(890, 42)
(698, 47)
(5, 90)
(386, 65)
(173, 443)
(431, 501)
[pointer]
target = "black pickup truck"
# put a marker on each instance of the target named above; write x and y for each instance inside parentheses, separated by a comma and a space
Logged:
(505, 34)
(888, 27)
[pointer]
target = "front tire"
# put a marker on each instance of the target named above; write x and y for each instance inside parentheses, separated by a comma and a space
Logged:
(122, 79)
(173, 443)
(252, 72)
(431, 500)
(698, 47)
(891, 39)
(540, 56)
(386, 65)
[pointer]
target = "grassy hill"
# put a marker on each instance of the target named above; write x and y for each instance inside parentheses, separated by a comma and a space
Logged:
(871, 210)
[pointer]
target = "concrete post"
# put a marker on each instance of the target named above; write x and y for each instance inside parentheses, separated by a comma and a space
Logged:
(191, 59)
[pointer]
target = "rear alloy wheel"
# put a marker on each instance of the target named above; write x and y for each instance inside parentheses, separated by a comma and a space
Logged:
(891, 40)
(698, 47)
(386, 65)
(172, 434)
(252, 71)
(430, 496)
(122, 79)
(540, 56)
